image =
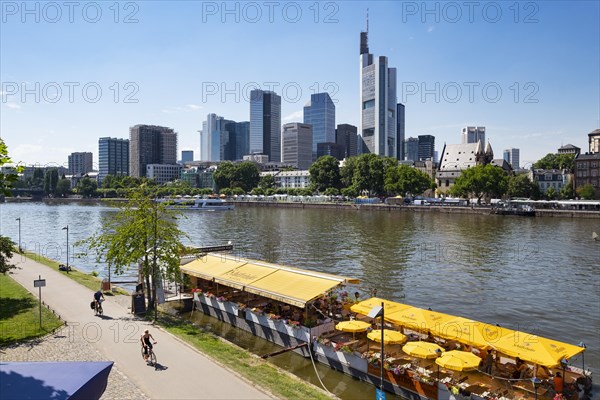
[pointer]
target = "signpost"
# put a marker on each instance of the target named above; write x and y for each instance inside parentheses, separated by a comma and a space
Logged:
(38, 283)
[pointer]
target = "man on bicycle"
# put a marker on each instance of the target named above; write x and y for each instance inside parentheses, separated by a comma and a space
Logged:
(97, 296)
(146, 344)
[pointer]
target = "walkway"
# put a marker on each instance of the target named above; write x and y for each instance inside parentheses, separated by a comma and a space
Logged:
(182, 372)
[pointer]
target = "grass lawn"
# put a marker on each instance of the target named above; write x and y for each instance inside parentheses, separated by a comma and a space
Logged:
(248, 365)
(19, 313)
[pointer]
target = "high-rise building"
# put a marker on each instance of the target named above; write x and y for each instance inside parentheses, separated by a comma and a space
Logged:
(297, 145)
(150, 144)
(426, 147)
(187, 156)
(80, 163)
(238, 144)
(347, 138)
(411, 149)
(214, 138)
(473, 134)
(320, 113)
(113, 157)
(511, 156)
(265, 124)
(377, 102)
(400, 131)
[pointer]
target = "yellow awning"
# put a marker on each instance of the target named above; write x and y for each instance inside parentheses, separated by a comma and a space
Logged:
(364, 307)
(243, 275)
(209, 267)
(417, 318)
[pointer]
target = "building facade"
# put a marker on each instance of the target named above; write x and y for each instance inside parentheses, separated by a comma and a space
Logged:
(80, 163)
(320, 113)
(265, 124)
(150, 144)
(457, 158)
(290, 179)
(512, 156)
(347, 138)
(163, 173)
(411, 149)
(426, 147)
(377, 103)
(113, 157)
(237, 143)
(473, 134)
(569, 149)
(549, 178)
(594, 141)
(187, 156)
(400, 131)
(297, 145)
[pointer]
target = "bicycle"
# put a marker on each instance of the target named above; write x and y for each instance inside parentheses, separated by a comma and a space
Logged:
(151, 357)
(99, 310)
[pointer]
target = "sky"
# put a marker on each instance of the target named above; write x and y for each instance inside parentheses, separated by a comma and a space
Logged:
(72, 72)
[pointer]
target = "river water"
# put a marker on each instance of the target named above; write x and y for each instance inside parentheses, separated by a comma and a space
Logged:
(539, 275)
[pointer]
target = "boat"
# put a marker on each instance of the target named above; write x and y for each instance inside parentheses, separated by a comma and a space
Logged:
(514, 209)
(198, 204)
(315, 315)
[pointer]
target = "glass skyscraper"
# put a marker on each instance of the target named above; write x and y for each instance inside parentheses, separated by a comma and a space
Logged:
(113, 157)
(320, 113)
(265, 124)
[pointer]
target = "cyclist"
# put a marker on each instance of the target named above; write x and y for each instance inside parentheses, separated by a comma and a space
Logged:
(146, 344)
(97, 296)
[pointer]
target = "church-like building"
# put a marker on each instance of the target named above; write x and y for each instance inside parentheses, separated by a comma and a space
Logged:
(457, 158)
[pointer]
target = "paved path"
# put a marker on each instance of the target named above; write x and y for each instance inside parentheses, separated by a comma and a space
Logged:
(182, 372)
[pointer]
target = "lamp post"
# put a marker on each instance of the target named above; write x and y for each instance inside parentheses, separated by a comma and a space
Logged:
(581, 344)
(67, 228)
(375, 312)
(19, 219)
(536, 383)
(563, 364)
(382, 348)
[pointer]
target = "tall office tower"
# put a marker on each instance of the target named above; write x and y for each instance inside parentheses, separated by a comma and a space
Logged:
(187, 156)
(473, 134)
(320, 113)
(213, 138)
(347, 138)
(411, 149)
(150, 144)
(400, 131)
(238, 143)
(297, 145)
(426, 147)
(113, 157)
(265, 124)
(377, 102)
(511, 156)
(80, 163)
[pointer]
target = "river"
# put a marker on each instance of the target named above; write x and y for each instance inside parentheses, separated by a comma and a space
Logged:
(539, 275)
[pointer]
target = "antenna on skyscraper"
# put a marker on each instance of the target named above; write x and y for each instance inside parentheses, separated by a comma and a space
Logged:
(367, 20)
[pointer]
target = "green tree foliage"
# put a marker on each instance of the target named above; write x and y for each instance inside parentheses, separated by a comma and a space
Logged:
(63, 187)
(479, 181)
(587, 192)
(556, 161)
(267, 182)
(6, 251)
(50, 181)
(144, 232)
(87, 187)
(244, 175)
(7, 179)
(325, 173)
(365, 173)
(567, 191)
(521, 186)
(405, 180)
(551, 193)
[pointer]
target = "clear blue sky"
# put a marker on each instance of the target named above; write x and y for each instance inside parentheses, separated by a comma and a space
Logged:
(178, 58)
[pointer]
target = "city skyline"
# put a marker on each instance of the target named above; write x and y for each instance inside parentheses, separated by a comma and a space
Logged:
(543, 103)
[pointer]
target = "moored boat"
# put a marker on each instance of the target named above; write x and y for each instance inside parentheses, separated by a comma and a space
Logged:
(199, 204)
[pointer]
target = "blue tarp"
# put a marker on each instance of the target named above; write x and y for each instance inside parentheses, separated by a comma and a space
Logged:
(53, 380)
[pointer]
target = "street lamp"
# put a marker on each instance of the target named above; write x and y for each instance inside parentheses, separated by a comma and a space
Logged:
(536, 383)
(67, 228)
(375, 312)
(19, 219)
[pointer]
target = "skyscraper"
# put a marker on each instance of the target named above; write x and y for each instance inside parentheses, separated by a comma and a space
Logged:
(113, 157)
(187, 156)
(265, 124)
(320, 113)
(426, 147)
(511, 156)
(411, 149)
(297, 145)
(80, 163)
(238, 144)
(473, 134)
(347, 138)
(400, 131)
(377, 102)
(214, 138)
(150, 144)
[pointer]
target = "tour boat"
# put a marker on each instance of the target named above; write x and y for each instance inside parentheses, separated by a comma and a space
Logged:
(200, 204)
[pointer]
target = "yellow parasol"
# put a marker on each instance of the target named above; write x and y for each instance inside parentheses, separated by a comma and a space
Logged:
(364, 307)
(422, 349)
(458, 360)
(389, 336)
(536, 349)
(352, 326)
(417, 318)
(470, 332)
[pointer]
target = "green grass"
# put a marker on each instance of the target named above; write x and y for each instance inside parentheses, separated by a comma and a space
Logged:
(19, 314)
(87, 280)
(248, 365)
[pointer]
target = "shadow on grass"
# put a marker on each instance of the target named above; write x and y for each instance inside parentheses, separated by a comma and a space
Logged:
(9, 307)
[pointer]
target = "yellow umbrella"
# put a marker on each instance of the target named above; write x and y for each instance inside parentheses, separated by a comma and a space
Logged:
(352, 326)
(458, 360)
(389, 336)
(422, 349)
(470, 332)
(417, 318)
(364, 307)
(536, 349)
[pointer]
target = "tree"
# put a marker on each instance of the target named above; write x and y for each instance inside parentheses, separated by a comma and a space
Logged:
(587, 192)
(365, 173)
(50, 181)
(87, 187)
(6, 251)
(144, 232)
(551, 193)
(63, 187)
(7, 179)
(556, 161)
(325, 173)
(567, 191)
(479, 181)
(405, 180)
(521, 186)
(267, 182)
(244, 175)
